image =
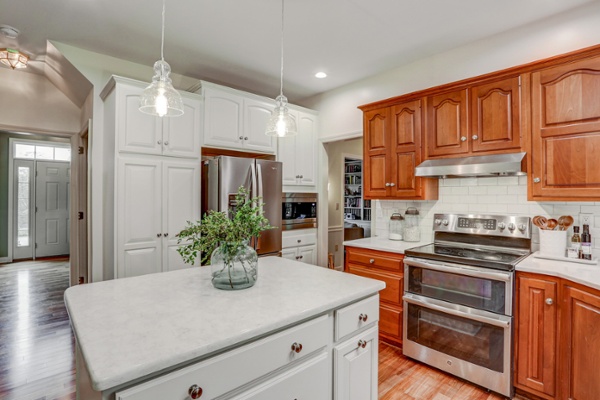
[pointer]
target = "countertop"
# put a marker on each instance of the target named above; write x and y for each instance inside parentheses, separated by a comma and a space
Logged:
(383, 244)
(133, 327)
(585, 274)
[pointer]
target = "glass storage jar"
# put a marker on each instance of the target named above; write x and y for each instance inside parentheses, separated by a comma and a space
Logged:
(396, 226)
(412, 230)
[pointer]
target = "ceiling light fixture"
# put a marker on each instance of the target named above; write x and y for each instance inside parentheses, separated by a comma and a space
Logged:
(281, 123)
(320, 75)
(13, 58)
(161, 98)
(9, 31)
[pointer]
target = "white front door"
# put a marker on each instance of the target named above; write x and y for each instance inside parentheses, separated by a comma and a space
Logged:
(52, 204)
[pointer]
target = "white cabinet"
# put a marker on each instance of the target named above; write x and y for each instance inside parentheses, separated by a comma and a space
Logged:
(141, 133)
(236, 120)
(355, 367)
(155, 197)
(298, 153)
(300, 245)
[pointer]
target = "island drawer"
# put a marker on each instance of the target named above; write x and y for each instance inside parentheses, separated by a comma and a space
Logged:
(226, 372)
(356, 316)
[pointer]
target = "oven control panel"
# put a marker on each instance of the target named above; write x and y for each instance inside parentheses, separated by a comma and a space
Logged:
(493, 225)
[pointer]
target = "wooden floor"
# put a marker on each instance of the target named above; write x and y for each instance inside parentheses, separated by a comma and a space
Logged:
(36, 342)
(37, 345)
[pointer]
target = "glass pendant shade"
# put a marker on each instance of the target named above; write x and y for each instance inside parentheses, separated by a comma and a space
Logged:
(161, 98)
(13, 58)
(281, 123)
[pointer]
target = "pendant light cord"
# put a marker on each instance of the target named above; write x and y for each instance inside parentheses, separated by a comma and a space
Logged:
(162, 39)
(282, 30)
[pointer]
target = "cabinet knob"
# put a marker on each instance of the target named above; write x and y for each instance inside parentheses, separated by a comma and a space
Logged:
(392, 184)
(474, 137)
(158, 234)
(387, 184)
(166, 234)
(549, 301)
(362, 343)
(195, 391)
(301, 257)
(536, 180)
(372, 261)
(158, 142)
(297, 347)
(463, 138)
(166, 142)
(363, 317)
(299, 240)
(297, 257)
(246, 138)
(301, 176)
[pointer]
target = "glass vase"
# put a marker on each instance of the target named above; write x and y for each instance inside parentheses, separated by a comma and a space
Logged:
(234, 266)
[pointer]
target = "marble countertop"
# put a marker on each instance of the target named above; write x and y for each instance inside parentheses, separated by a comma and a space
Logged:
(585, 274)
(383, 244)
(133, 327)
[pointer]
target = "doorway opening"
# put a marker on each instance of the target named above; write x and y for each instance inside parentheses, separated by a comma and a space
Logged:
(39, 187)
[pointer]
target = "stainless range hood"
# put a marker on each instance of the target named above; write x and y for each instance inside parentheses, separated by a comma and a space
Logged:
(492, 165)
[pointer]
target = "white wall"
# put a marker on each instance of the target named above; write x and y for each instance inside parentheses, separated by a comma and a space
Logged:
(569, 31)
(503, 195)
(31, 103)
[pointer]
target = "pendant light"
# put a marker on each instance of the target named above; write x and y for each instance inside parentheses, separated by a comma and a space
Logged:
(13, 58)
(160, 98)
(281, 123)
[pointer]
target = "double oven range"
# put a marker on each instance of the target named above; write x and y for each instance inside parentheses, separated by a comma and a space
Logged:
(458, 296)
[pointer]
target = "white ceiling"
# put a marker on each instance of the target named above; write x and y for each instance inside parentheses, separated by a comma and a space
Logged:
(236, 42)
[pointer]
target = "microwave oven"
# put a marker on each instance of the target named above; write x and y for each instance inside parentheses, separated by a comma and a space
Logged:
(299, 211)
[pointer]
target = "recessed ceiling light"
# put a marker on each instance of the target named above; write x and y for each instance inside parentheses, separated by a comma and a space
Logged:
(321, 75)
(9, 31)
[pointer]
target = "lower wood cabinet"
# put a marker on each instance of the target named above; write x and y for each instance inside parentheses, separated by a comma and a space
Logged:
(557, 351)
(387, 267)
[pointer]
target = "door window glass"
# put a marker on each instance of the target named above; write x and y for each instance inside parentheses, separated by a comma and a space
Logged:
(23, 186)
(62, 154)
(24, 151)
(44, 153)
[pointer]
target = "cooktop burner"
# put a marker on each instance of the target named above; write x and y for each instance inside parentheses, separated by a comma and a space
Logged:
(488, 258)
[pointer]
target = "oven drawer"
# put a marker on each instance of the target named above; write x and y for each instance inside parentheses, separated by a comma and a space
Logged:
(393, 283)
(375, 259)
(356, 316)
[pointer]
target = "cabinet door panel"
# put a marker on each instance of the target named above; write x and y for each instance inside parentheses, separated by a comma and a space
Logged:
(306, 149)
(390, 322)
(355, 367)
(376, 168)
(182, 134)
(308, 254)
(138, 262)
(256, 116)
(180, 203)
(536, 334)
(375, 178)
(565, 121)
(447, 124)
(406, 184)
(290, 254)
(222, 119)
(581, 325)
(138, 132)
(495, 116)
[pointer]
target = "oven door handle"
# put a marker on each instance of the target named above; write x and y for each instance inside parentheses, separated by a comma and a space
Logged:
(428, 303)
(459, 270)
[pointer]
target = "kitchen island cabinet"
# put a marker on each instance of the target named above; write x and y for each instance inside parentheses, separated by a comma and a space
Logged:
(557, 330)
(165, 335)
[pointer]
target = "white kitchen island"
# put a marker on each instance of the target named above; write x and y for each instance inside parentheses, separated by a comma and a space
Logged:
(297, 333)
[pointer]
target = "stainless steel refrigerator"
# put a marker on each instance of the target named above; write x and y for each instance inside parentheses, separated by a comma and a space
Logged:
(223, 175)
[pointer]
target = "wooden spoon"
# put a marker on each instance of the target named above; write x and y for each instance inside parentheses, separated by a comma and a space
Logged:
(564, 222)
(552, 223)
(540, 222)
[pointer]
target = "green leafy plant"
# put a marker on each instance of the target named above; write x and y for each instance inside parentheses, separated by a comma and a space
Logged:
(245, 220)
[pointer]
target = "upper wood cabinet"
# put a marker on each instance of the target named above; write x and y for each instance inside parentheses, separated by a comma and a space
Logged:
(392, 150)
(481, 119)
(565, 121)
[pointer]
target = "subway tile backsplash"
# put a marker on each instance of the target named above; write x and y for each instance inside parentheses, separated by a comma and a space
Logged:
(501, 195)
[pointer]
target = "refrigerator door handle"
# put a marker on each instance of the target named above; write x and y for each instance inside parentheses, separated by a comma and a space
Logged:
(253, 189)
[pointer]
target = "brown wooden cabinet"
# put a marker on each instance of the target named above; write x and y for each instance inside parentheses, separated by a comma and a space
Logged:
(392, 150)
(565, 121)
(557, 338)
(387, 267)
(480, 119)
(536, 334)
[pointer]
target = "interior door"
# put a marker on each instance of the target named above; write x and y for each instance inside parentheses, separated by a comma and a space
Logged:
(52, 204)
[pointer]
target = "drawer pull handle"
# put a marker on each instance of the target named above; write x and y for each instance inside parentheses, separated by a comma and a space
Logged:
(363, 317)
(297, 347)
(362, 343)
(372, 261)
(195, 391)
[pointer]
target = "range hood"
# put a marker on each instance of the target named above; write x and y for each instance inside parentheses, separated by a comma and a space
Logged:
(492, 165)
